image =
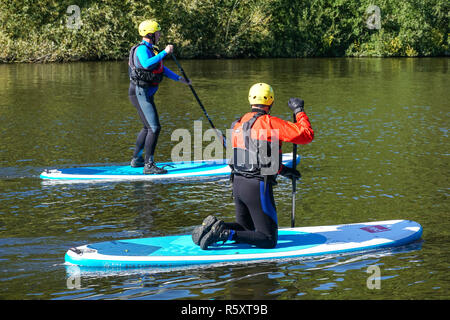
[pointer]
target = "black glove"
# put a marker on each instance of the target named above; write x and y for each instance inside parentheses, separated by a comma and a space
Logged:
(296, 105)
(289, 172)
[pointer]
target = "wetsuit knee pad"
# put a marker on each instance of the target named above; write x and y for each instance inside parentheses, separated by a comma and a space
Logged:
(269, 243)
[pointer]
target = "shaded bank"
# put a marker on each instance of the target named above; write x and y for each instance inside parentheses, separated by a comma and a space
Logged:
(69, 30)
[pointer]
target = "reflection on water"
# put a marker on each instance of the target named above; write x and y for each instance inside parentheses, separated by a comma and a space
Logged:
(380, 153)
(280, 279)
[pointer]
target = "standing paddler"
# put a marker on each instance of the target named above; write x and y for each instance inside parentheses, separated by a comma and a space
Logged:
(256, 162)
(146, 72)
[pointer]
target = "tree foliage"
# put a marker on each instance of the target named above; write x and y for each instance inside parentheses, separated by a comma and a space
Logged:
(39, 31)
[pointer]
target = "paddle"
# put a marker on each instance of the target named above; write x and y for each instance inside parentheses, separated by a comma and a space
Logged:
(294, 181)
(219, 134)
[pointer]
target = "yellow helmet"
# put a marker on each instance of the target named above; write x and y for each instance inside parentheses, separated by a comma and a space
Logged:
(261, 93)
(148, 26)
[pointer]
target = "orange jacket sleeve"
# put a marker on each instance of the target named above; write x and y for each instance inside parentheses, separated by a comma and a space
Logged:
(299, 132)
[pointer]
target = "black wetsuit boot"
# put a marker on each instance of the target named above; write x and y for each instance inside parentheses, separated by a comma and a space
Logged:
(151, 168)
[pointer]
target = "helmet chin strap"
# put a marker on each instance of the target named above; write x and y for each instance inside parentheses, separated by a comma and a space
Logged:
(151, 37)
(259, 109)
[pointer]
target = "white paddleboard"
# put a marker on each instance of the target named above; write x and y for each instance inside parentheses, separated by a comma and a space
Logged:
(175, 170)
(172, 251)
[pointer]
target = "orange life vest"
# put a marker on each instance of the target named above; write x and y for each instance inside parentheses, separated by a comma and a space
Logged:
(252, 149)
(255, 137)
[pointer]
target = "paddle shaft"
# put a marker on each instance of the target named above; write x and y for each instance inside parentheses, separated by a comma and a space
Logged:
(294, 181)
(198, 100)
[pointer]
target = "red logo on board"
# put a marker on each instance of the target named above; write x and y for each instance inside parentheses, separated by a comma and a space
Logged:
(375, 229)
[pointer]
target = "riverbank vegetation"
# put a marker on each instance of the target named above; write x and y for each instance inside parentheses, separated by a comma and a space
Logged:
(69, 30)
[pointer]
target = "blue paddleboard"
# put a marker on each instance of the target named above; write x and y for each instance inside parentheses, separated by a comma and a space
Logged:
(204, 168)
(172, 251)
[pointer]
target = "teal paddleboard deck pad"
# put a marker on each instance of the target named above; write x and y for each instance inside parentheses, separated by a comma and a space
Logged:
(204, 168)
(173, 251)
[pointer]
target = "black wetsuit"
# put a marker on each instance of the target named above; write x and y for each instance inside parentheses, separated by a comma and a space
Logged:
(143, 100)
(142, 97)
(256, 216)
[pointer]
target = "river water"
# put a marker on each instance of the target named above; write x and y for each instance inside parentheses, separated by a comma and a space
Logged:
(380, 152)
